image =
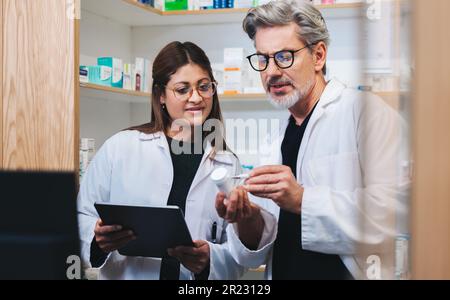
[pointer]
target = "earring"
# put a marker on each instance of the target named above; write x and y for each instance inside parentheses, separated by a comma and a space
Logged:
(164, 106)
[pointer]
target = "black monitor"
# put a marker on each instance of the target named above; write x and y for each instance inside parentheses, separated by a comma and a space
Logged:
(38, 224)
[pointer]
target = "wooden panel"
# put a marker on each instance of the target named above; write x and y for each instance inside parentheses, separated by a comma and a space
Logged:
(431, 110)
(76, 74)
(39, 109)
(1, 83)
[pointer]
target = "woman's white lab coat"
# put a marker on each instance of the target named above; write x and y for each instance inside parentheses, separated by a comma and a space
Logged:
(136, 169)
(348, 164)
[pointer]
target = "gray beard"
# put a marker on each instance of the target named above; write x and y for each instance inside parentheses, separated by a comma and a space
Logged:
(287, 101)
(290, 100)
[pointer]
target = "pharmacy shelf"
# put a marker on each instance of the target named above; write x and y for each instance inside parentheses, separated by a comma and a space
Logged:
(133, 13)
(89, 90)
(95, 91)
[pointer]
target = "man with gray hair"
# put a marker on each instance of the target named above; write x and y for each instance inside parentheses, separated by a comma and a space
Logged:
(330, 180)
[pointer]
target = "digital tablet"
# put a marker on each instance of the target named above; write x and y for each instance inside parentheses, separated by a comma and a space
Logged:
(156, 228)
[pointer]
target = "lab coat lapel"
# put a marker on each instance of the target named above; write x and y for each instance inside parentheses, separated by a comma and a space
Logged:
(332, 92)
(274, 145)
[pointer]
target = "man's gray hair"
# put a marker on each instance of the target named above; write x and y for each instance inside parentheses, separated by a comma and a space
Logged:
(313, 28)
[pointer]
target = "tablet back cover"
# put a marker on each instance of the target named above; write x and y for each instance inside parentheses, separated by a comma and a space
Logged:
(156, 228)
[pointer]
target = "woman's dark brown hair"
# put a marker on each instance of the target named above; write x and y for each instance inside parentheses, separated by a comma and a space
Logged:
(171, 58)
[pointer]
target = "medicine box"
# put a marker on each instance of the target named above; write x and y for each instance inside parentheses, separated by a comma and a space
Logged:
(116, 65)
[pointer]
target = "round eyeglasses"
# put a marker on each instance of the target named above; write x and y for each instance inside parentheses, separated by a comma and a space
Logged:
(283, 59)
(183, 92)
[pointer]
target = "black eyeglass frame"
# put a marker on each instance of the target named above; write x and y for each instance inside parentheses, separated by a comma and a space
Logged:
(268, 57)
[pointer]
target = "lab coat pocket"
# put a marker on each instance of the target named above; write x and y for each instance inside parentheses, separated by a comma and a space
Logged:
(214, 230)
(340, 171)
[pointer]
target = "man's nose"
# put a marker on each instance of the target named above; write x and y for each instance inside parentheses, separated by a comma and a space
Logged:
(273, 70)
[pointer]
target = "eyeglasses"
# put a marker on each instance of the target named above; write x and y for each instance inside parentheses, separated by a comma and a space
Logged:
(283, 59)
(183, 92)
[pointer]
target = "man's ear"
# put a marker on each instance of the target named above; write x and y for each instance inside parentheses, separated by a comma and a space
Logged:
(320, 56)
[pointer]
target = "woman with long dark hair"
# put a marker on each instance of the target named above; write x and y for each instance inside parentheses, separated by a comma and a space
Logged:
(165, 162)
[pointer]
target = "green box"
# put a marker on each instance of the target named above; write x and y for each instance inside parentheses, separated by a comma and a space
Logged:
(116, 76)
(176, 5)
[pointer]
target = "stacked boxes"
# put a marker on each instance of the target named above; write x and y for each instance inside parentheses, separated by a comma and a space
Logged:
(112, 72)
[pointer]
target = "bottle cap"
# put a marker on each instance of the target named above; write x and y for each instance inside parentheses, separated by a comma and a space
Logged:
(219, 175)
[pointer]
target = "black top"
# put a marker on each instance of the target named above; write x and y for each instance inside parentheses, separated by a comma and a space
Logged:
(290, 261)
(185, 166)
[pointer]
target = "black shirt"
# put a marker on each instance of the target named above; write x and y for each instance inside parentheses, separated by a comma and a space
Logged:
(185, 166)
(290, 261)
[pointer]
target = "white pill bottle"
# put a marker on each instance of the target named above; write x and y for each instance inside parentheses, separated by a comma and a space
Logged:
(223, 180)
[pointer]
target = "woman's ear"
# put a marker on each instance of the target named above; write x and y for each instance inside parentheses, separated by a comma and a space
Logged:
(320, 56)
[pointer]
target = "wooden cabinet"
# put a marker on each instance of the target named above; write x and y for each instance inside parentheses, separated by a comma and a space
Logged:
(39, 86)
(1, 83)
(431, 141)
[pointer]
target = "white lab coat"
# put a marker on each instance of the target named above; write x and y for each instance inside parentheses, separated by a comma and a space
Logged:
(348, 164)
(134, 168)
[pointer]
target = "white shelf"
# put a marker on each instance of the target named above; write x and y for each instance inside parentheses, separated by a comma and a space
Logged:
(131, 13)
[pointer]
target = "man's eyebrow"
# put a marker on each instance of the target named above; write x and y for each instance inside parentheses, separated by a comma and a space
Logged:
(285, 49)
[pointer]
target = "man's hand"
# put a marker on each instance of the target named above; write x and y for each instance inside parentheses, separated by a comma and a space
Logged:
(276, 183)
(238, 209)
(111, 238)
(195, 259)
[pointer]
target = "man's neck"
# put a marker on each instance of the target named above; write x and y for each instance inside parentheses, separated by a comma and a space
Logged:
(303, 107)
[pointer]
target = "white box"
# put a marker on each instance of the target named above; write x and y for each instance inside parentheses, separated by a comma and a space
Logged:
(233, 58)
(127, 82)
(232, 82)
(139, 78)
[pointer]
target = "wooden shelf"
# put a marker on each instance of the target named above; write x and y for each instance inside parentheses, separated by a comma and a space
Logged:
(96, 91)
(133, 13)
(90, 90)
(108, 93)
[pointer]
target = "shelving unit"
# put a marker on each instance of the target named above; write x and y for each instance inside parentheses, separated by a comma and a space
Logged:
(127, 29)
(133, 13)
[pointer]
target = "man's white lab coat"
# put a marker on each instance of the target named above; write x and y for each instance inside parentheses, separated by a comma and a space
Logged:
(349, 165)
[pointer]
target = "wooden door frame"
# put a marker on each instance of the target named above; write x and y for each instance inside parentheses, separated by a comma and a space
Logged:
(1, 83)
(430, 215)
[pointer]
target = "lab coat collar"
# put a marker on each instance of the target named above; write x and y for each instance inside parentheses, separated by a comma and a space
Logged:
(331, 94)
